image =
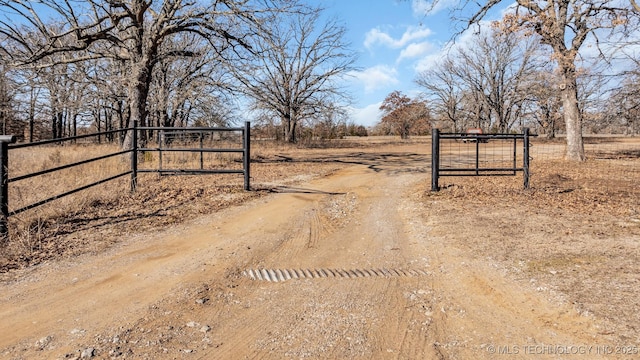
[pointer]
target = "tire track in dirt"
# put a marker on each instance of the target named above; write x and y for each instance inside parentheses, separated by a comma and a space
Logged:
(296, 239)
(376, 239)
(478, 310)
(137, 275)
(262, 305)
(405, 332)
(190, 299)
(342, 318)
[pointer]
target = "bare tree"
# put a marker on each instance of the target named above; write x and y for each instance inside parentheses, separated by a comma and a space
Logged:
(65, 85)
(131, 31)
(623, 110)
(296, 75)
(498, 69)
(544, 105)
(445, 90)
(593, 96)
(108, 95)
(6, 101)
(184, 88)
(564, 25)
(33, 107)
(475, 111)
(487, 82)
(29, 104)
(329, 122)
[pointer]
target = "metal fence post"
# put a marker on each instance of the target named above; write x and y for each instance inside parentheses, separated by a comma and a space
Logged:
(477, 155)
(246, 163)
(134, 157)
(161, 140)
(4, 186)
(525, 163)
(435, 159)
(515, 155)
(201, 147)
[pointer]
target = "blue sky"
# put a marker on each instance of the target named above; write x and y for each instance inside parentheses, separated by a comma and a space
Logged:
(395, 41)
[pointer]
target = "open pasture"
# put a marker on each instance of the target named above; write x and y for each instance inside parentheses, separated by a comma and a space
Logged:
(501, 265)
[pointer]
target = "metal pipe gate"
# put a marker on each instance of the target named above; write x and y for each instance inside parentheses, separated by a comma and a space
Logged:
(7, 143)
(480, 140)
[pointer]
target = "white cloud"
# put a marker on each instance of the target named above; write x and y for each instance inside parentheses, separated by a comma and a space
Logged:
(423, 7)
(467, 40)
(370, 115)
(428, 62)
(374, 36)
(377, 36)
(415, 50)
(420, 7)
(376, 77)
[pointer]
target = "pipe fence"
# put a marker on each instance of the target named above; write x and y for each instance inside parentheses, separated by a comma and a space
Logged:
(7, 144)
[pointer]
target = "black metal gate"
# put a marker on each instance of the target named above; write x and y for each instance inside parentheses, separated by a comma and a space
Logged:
(7, 144)
(474, 155)
(196, 135)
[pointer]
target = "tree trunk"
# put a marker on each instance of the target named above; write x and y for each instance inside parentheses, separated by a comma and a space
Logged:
(98, 115)
(290, 128)
(572, 115)
(75, 125)
(551, 133)
(290, 132)
(404, 130)
(138, 92)
(31, 126)
(54, 126)
(60, 124)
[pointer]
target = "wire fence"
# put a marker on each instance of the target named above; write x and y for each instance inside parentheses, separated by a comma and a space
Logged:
(596, 148)
(613, 162)
(479, 155)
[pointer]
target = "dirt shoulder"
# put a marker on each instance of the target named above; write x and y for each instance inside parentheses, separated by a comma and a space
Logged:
(574, 238)
(385, 270)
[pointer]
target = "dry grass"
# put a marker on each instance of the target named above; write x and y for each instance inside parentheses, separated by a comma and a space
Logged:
(575, 235)
(594, 187)
(96, 218)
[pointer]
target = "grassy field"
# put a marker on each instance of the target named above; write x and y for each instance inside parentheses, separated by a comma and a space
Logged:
(574, 236)
(559, 258)
(94, 219)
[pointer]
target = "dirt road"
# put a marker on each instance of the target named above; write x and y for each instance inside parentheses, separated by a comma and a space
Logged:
(372, 284)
